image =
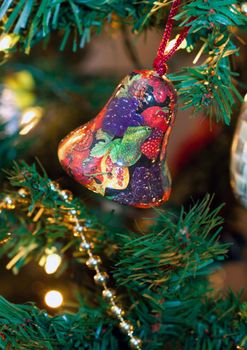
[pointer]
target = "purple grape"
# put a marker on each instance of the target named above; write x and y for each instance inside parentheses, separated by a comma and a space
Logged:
(156, 134)
(121, 113)
(125, 197)
(146, 186)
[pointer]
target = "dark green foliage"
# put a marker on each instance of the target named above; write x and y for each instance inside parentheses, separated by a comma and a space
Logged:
(161, 277)
(209, 91)
(36, 20)
(47, 232)
(27, 327)
(173, 252)
(207, 87)
(216, 325)
(210, 87)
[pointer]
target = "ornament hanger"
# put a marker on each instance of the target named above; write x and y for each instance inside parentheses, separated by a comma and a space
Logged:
(163, 56)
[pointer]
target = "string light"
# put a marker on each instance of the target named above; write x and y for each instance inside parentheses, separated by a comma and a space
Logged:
(53, 299)
(7, 41)
(8, 203)
(244, 7)
(29, 119)
(52, 263)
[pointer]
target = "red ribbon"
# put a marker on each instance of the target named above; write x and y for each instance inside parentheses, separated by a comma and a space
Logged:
(159, 64)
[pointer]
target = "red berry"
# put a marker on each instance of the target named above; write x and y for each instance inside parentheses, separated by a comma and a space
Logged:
(155, 117)
(151, 148)
(161, 89)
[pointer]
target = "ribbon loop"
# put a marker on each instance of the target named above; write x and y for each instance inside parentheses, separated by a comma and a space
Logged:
(159, 63)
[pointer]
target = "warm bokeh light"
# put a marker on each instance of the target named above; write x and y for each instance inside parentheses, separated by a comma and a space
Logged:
(29, 119)
(244, 7)
(7, 41)
(52, 263)
(53, 299)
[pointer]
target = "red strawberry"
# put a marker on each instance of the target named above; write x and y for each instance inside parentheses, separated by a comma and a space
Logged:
(161, 89)
(155, 117)
(151, 148)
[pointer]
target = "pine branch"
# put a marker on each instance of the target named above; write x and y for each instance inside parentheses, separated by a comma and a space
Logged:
(207, 87)
(209, 92)
(31, 236)
(210, 87)
(178, 249)
(217, 324)
(164, 274)
(51, 227)
(27, 327)
(34, 20)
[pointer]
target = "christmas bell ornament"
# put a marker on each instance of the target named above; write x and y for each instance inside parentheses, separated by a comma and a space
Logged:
(239, 157)
(121, 153)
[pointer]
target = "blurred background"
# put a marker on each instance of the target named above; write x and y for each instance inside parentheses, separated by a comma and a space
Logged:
(46, 94)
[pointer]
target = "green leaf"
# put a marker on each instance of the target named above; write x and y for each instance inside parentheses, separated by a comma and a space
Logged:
(103, 144)
(127, 151)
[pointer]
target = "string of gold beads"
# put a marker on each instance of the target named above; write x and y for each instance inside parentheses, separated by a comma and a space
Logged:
(101, 277)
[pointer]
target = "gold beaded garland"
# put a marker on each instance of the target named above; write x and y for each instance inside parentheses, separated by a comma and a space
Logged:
(84, 246)
(93, 261)
(108, 294)
(117, 310)
(23, 192)
(66, 195)
(54, 186)
(135, 342)
(8, 203)
(76, 234)
(100, 278)
(126, 327)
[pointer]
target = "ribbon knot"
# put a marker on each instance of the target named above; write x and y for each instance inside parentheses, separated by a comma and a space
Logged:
(162, 57)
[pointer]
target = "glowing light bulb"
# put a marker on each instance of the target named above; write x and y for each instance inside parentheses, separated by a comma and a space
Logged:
(53, 299)
(244, 7)
(52, 263)
(7, 41)
(29, 119)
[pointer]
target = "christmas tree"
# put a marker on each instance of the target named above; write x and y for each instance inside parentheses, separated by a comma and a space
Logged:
(80, 271)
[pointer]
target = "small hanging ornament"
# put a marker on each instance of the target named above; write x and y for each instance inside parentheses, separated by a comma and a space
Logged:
(239, 158)
(121, 153)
